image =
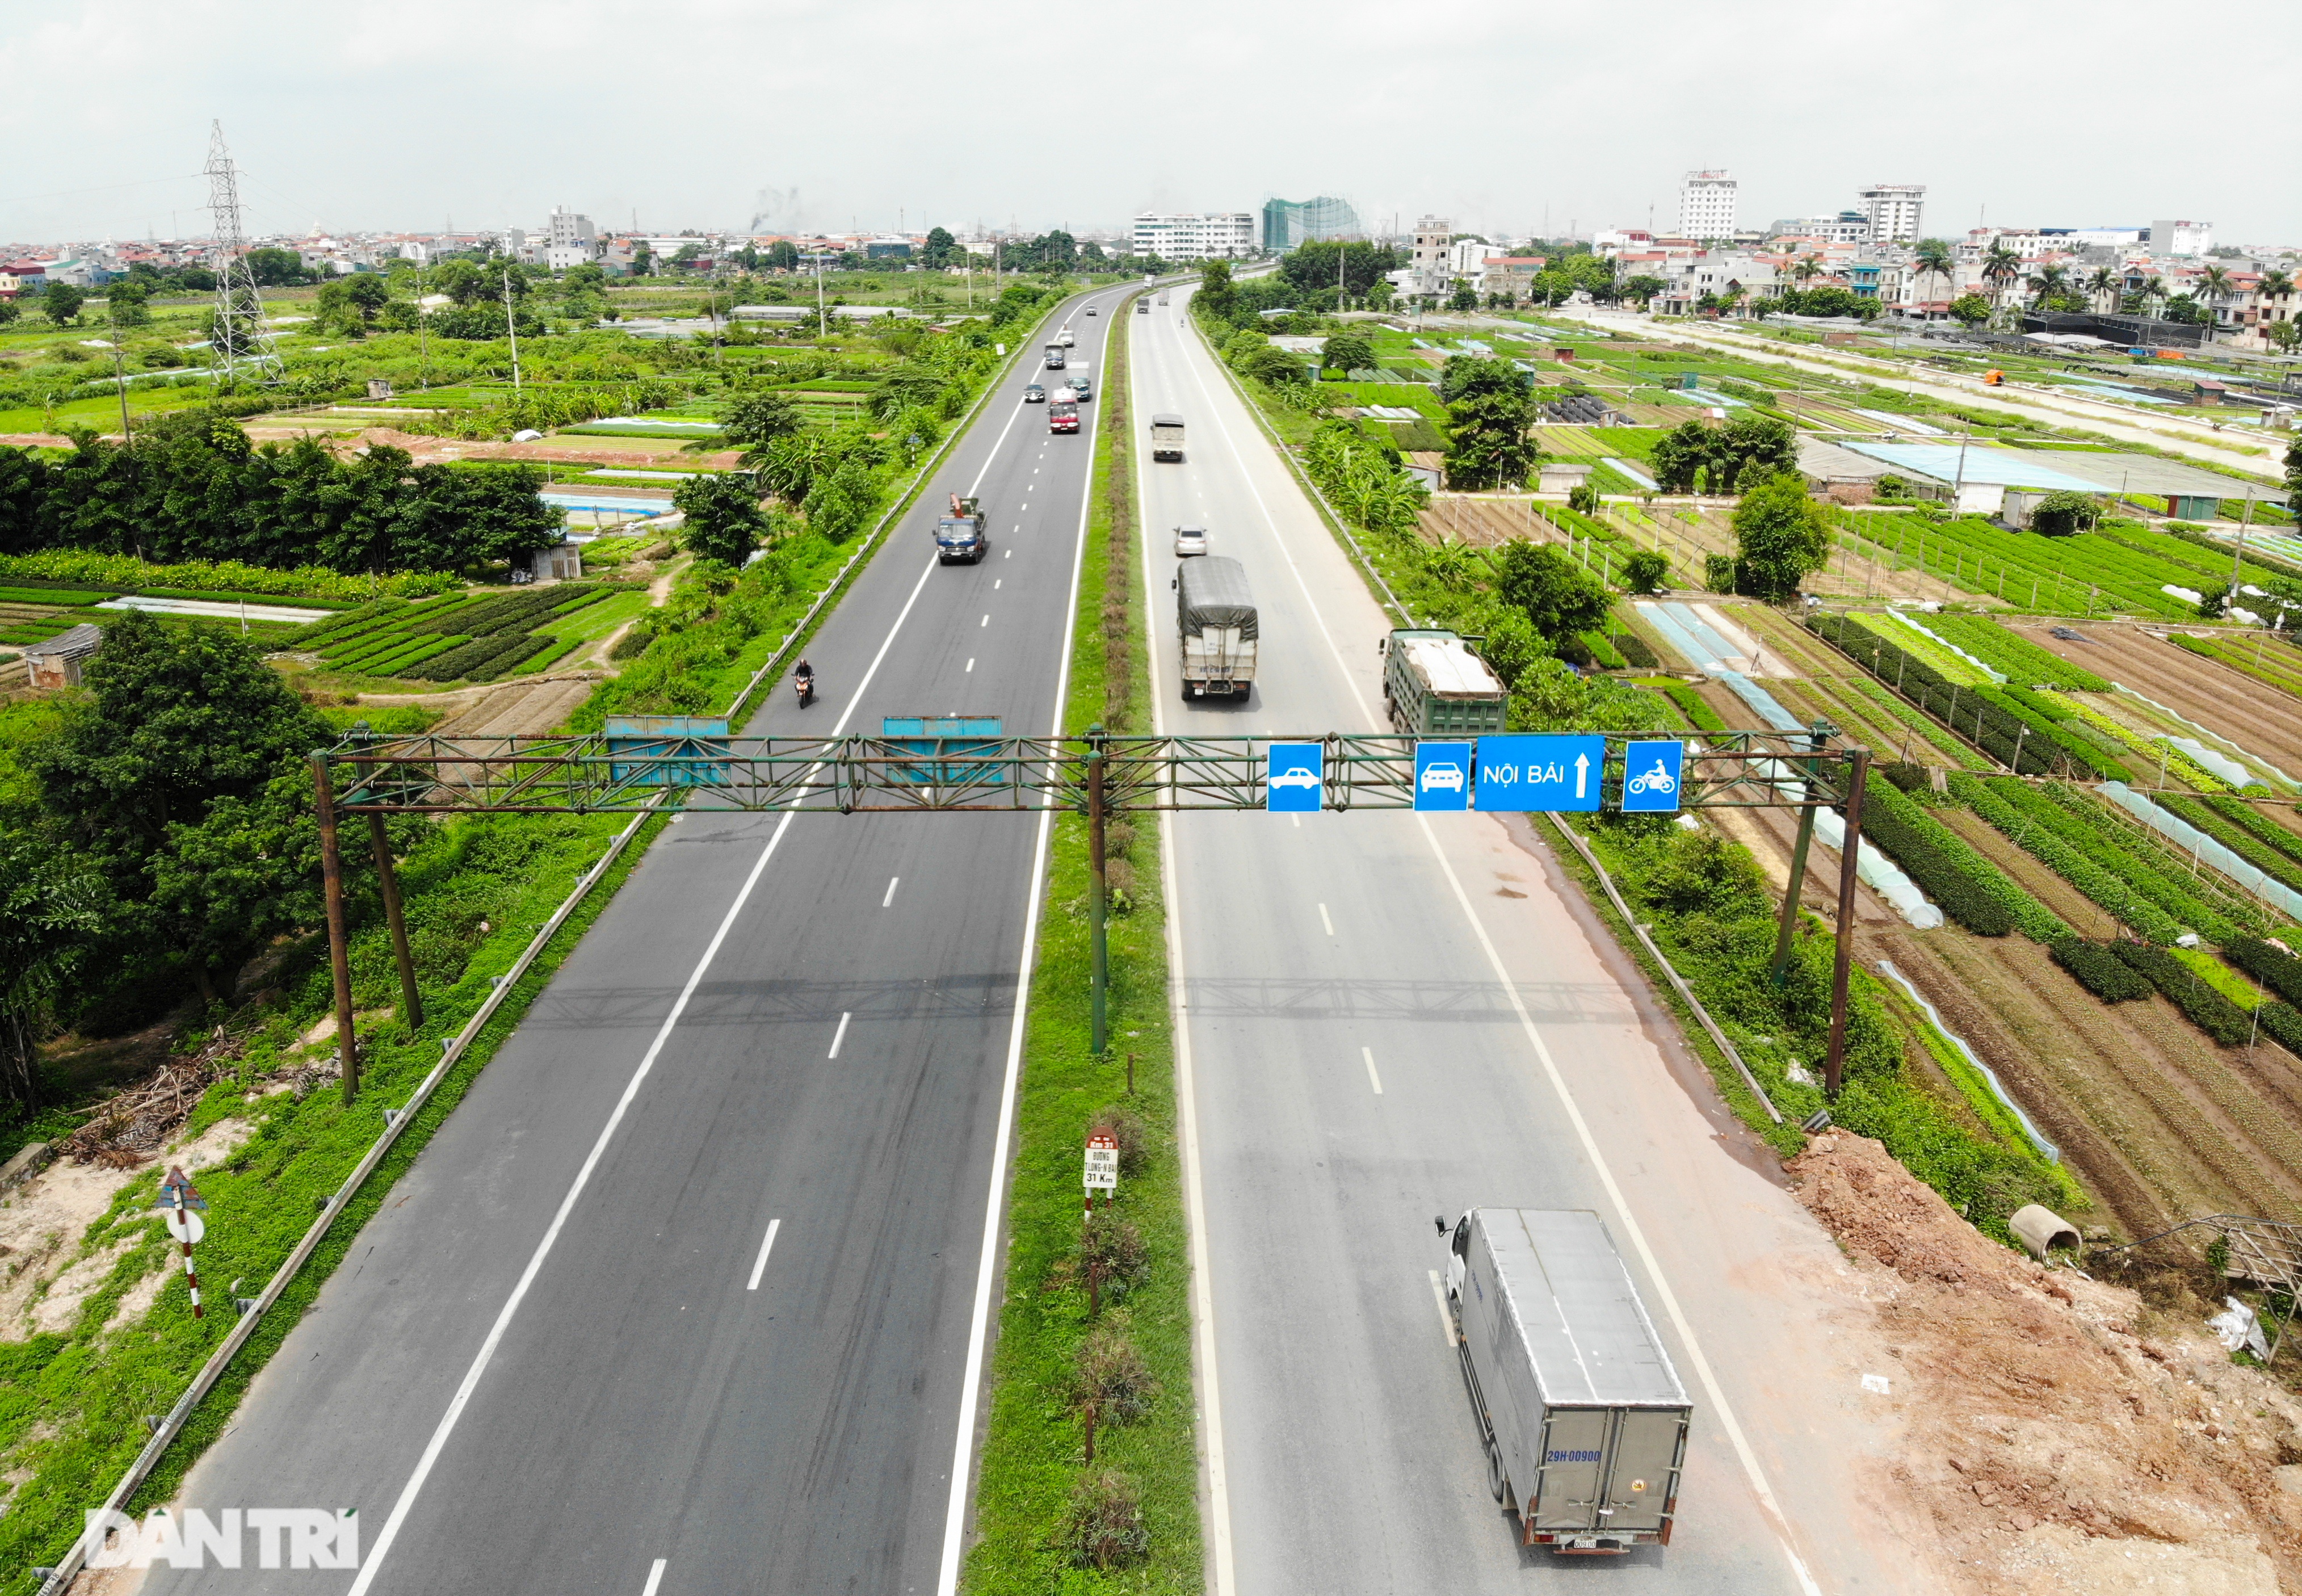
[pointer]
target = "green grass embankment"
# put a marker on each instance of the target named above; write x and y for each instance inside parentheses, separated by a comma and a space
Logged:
(1033, 1456)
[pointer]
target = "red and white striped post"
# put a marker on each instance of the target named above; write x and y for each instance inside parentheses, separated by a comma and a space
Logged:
(182, 1203)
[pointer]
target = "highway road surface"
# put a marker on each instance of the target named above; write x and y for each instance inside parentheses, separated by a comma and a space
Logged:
(1385, 1018)
(687, 1296)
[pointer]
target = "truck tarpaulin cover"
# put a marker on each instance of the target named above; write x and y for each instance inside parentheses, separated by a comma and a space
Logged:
(1212, 592)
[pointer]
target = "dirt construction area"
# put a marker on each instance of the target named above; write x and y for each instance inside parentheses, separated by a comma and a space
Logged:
(2061, 1437)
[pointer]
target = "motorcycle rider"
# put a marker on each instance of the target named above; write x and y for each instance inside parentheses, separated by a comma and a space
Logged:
(803, 682)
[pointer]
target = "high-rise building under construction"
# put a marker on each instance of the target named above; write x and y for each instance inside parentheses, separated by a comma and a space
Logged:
(1287, 223)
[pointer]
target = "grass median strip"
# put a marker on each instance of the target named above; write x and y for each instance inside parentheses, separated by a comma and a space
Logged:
(1047, 1519)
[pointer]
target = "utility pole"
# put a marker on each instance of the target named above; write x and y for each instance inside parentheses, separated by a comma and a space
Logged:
(119, 378)
(511, 325)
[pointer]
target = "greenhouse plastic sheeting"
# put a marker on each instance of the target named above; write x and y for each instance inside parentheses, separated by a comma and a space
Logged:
(2053, 1154)
(2172, 826)
(1685, 632)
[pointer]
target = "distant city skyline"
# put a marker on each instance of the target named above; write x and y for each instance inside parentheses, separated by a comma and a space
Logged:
(798, 114)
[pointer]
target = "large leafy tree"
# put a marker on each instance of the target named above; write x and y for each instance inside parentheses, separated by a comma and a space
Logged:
(2294, 476)
(178, 782)
(61, 303)
(50, 910)
(1347, 351)
(722, 517)
(1558, 597)
(756, 420)
(1780, 538)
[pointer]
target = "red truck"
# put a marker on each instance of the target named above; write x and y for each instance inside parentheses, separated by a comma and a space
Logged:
(1062, 411)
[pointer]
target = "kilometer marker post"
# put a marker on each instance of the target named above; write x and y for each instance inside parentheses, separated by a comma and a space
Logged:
(180, 1203)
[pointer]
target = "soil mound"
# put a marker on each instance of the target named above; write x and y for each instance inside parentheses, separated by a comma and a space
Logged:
(2061, 1438)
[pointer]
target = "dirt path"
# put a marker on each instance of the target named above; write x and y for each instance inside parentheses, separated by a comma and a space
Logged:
(520, 712)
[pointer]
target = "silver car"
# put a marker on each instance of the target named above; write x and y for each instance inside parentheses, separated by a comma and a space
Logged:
(1190, 540)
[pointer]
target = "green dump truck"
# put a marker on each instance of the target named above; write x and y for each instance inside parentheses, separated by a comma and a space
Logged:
(1434, 685)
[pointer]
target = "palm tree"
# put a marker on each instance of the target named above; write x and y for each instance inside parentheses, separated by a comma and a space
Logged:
(2000, 266)
(2213, 286)
(1808, 269)
(1933, 258)
(2102, 288)
(2048, 284)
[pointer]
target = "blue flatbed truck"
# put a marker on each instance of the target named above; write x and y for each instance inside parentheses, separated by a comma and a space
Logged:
(961, 535)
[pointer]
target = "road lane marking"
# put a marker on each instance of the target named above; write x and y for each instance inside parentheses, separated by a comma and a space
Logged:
(984, 622)
(994, 584)
(1752, 1471)
(655, 1579)
(759, 1266)
(979, 1330)
(488, 1349)
(496, 1332)
(1298, 822)
(1637, 1234)
(1208, 1381)
(1373, 1079)
(839, 1036)
(971, 665)
(1326, 922)
(1011, 553)
(1446, 1319)
(891, 891)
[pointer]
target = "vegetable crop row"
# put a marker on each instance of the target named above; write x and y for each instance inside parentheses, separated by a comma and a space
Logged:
(2024, 662)
(2030, 823)
(1951, 870)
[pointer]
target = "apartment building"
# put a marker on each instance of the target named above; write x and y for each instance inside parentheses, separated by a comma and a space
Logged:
(1894, 211)
(1706, 205)
(1196, 235)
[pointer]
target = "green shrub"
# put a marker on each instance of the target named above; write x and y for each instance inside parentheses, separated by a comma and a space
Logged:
(1719, 572)
(2275, 969)
(2201, 1004)
(1634, 648)
(2030, 825)
(1963, 894)
(1699, 715)
(2100, 971)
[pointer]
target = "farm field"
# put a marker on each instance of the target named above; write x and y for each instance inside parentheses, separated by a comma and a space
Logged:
(464, 637)
(2264, 720)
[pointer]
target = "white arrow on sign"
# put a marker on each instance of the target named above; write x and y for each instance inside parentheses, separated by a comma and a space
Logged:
(186, 1225)
(1582, 774)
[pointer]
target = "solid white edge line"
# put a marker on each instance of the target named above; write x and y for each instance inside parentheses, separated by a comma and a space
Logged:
(839, 1036)
(456, 1406)
(978, 1331)
(1373, 1079)
(1446, 1318)
(1323, 921)
(654, 1579)
(1718, 1397)
(487, 1352)
(891, 883)
(1630, 1226)
(760, 1266)
(1206, 1377)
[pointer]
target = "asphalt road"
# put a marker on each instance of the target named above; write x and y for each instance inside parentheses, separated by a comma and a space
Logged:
(565, 1357)
(1385, 1018)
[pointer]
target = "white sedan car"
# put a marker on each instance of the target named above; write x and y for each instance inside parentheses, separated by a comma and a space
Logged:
(1190, 540)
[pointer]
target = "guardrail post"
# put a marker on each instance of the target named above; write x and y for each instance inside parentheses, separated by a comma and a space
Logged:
(331, 881)
(1098, 893)
(1858, 772)
(411, 1000)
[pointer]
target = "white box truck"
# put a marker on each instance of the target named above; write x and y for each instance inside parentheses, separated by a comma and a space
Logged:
(1215, 619)
(1584, 1417)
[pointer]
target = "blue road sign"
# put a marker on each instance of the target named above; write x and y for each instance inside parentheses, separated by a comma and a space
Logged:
(1651, 772)
(1442, 776)
(1521, 771)
(1294, 777)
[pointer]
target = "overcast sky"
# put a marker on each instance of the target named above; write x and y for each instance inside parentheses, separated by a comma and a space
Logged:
(871, 113)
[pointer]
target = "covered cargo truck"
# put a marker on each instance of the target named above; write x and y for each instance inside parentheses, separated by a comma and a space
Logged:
(1583, 1418)
(1215, 619)
(1166, 437)
(1433, 684)
(1062, 411)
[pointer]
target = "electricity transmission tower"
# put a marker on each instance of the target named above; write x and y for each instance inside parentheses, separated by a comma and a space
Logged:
(240, 338)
